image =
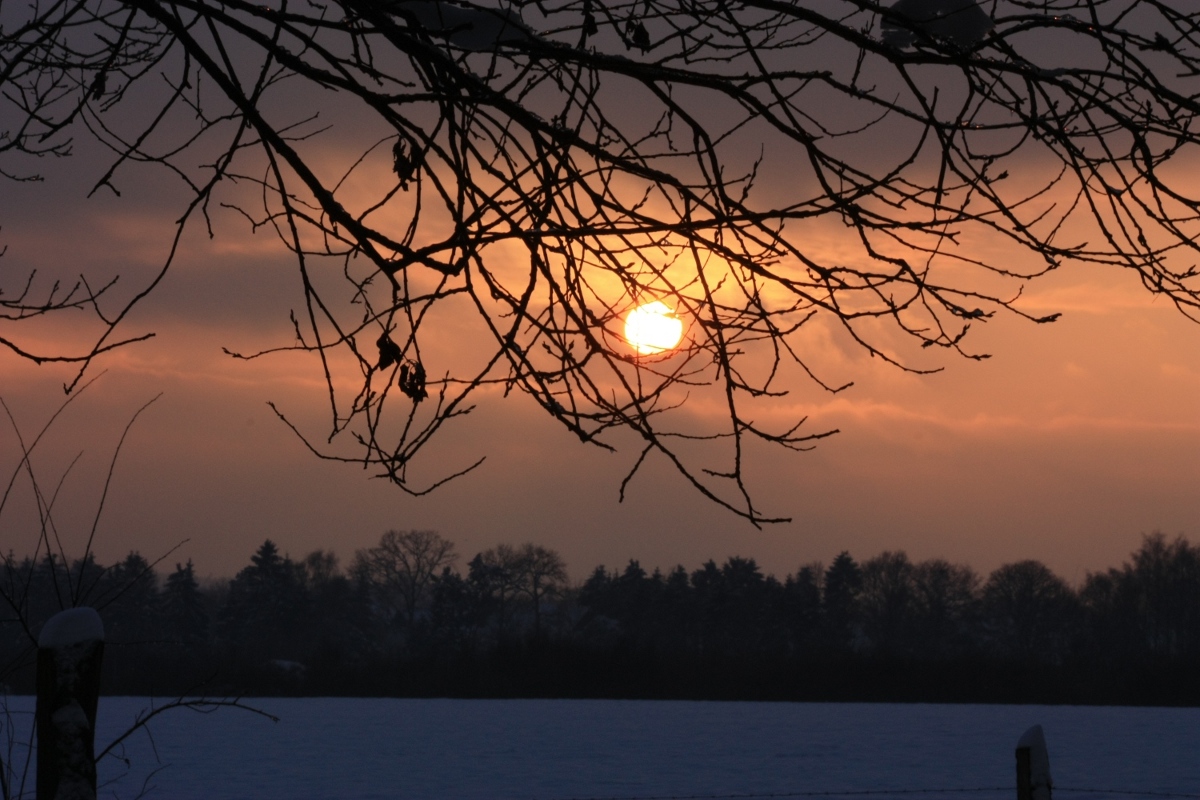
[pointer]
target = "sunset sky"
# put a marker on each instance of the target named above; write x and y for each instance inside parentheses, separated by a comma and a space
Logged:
(1066, 446)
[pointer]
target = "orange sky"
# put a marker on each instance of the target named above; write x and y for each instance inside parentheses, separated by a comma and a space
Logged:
(1066, 446)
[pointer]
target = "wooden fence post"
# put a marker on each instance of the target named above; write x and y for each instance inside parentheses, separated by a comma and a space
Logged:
(70, 649)
(1033, 766)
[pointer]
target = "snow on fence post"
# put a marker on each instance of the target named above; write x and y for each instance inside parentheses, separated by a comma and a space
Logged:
(70, 648)
(1033, 766)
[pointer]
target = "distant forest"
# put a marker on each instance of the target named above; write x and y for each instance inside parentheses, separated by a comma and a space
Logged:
(403, 619)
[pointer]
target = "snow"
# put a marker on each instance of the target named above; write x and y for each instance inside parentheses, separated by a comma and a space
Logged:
(961, 22)
(369, 749)
(468, 28)
(73, 626)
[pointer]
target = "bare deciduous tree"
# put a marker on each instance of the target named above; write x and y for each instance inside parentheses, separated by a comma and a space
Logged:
(1029, 608)
(946, 605)
(553, 164)
(499, 573)
(402, 568)
(543, 576)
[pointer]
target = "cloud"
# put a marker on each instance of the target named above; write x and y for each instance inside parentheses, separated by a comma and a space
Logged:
(1068, 443)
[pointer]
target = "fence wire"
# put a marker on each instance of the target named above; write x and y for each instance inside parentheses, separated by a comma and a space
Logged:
(878, 792)
(830, 793)
(1127, 792)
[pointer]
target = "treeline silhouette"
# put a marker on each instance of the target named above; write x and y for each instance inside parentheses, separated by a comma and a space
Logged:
(402, 620)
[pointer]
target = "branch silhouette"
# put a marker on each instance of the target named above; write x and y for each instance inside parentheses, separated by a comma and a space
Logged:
(523, 174)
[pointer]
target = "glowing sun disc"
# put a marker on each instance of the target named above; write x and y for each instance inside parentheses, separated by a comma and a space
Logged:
(653, 328)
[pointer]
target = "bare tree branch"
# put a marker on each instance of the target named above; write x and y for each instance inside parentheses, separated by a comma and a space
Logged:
(555, 164)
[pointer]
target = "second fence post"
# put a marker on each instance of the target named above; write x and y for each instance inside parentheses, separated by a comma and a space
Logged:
(1033, 766)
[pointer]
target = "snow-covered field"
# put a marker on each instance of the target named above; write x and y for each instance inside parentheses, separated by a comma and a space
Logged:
(354, 749)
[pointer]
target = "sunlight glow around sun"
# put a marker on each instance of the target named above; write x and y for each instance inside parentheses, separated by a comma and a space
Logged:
(653, 328)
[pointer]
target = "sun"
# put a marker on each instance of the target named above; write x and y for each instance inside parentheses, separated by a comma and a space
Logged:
(653, 328)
